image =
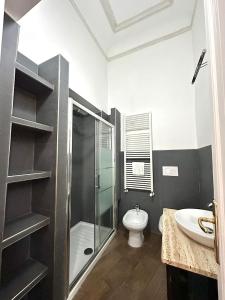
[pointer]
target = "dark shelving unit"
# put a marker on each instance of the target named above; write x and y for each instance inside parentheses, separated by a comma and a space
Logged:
(20, 228)
(31, 81)
(33, 101)
(30, 124)
(30, 274)
(28, 175)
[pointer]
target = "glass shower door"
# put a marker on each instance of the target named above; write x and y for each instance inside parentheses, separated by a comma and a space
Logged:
(82, 192)
(90, 189)
(104, 183)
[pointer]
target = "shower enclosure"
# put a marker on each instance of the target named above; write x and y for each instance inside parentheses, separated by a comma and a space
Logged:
(91, 188)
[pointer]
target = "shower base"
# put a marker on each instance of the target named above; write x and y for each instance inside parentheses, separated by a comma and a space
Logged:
(82, 236)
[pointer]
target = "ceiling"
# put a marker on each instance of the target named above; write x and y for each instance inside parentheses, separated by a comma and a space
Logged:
(126, 9)
(123, 27)
(122, 14)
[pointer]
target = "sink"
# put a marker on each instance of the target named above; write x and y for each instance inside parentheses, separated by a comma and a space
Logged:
(187, 221)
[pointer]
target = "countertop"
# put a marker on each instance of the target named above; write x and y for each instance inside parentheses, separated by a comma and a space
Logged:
(180, 251)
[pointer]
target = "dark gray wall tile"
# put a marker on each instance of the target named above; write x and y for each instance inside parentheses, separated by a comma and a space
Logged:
(181, 191)
(206, 176)
(172, 192)
(83, 170)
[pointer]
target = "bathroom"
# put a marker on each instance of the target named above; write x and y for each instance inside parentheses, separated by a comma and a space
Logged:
(110, 155)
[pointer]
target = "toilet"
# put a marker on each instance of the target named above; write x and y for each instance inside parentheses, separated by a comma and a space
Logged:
(135, 221)
(161, 224)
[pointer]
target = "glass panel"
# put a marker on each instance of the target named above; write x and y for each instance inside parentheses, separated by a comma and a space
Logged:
(104, 182)
(82, 200)
(92, 189)
(106, 178)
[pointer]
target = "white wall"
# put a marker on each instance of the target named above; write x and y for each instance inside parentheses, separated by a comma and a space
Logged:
(53, 27)
(202, 91)
(158, 79)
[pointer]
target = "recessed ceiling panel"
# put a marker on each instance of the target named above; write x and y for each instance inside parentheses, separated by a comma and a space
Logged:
(123, 14)
(127, 9)
(120, 27)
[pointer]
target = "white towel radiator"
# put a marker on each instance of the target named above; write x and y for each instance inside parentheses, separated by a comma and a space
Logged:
(138, 148)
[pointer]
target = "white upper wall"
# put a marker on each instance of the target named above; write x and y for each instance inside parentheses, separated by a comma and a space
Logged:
(53, 27)
(204, 123)
(158, 79)
(155, 79)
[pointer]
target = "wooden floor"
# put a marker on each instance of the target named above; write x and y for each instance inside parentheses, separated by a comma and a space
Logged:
(125, 273)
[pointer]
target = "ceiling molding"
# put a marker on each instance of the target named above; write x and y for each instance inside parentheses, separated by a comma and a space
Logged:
(164, 4)
(75, 7)
(194, 13)
(137, 48)
(151, 43)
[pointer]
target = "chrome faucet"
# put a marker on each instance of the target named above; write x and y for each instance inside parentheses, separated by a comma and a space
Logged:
(137, 207)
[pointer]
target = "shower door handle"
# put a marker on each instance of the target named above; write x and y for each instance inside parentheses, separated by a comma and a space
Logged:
(98, 182)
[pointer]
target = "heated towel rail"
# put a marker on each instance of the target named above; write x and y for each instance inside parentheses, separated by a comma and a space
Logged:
(138, 152)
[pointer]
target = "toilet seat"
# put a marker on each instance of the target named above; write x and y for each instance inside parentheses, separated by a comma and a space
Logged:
(135, 220)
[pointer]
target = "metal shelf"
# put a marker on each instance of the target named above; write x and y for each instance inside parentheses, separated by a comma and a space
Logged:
(22, 227)
(30, 274)
(28, 175)
(31, 81)
(31, 124)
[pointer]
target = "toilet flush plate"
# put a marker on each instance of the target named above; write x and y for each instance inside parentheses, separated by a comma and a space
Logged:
(170, 171)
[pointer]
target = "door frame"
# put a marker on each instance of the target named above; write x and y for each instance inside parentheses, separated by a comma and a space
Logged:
(98, 151)
(2, 7)
(214, 12)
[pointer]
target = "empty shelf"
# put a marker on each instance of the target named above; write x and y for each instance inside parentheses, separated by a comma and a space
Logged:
(30, 124)
(20, 228)
(30, 274)
(31, 81)
(29, 175)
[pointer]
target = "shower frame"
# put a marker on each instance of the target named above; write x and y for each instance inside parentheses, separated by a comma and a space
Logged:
(97, 253)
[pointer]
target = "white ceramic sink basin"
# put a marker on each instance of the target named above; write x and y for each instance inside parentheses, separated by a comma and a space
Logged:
(187, 221)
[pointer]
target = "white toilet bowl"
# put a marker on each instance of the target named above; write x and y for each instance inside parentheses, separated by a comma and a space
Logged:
(135, 221)
(161, 224)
